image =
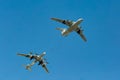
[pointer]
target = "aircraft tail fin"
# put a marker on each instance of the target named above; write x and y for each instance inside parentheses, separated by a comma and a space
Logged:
(28, 67)
(63, 30)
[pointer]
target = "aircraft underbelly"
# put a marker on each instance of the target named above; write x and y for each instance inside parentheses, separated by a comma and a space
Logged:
(38, 59)
(72, 28)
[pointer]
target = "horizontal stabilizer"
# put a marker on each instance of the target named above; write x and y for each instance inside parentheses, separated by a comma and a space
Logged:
(28, 67)
(61, 29)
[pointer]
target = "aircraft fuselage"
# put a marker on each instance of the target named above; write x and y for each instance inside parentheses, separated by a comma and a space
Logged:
(38, 58)
(73, 27)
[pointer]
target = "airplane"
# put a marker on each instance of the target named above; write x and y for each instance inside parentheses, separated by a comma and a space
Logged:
(73, 26)
(37, 58)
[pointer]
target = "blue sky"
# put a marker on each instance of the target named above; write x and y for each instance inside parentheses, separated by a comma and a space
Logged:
(25, 26)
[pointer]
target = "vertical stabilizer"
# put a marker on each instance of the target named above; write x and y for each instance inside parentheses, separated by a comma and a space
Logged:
(28, 67)
(64, 31)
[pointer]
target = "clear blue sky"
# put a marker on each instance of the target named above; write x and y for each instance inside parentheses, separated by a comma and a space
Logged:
(25, 26)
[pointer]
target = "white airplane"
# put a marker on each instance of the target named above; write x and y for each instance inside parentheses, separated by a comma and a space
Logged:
(37, 58)
(73, 26)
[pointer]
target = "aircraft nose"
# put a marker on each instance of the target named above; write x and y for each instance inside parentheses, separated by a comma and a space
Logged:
(80, 19)
(44, 52)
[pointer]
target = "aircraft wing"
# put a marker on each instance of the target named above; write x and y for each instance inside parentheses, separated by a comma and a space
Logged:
(44, 66)
(25, 55)
(66, 22)
(80, 32)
